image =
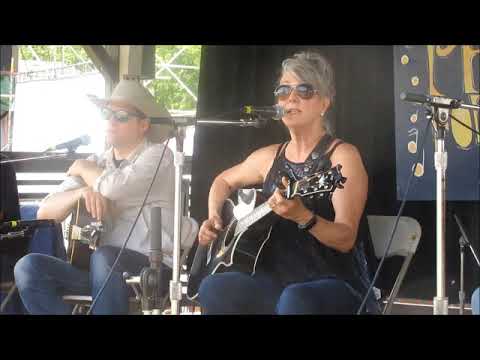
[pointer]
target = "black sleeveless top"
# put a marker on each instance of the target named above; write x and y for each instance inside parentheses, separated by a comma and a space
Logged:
(292, 255)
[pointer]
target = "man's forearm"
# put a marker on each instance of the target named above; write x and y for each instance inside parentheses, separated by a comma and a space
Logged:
(90, 174)
(59, 205)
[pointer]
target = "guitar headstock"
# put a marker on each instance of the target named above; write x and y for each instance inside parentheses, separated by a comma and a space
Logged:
(318, 185)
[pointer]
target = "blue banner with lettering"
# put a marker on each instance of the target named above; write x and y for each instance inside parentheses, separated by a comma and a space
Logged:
(446, 70)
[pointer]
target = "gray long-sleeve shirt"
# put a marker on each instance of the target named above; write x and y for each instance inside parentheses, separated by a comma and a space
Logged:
(126, 187)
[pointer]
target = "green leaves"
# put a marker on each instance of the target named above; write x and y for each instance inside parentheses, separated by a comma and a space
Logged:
(178, 91)
(177, 69)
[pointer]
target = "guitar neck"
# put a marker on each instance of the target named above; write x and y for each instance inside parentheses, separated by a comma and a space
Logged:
(317, 185)
(258, 213)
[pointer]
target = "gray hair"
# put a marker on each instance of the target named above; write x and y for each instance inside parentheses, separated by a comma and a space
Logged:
(311, 67)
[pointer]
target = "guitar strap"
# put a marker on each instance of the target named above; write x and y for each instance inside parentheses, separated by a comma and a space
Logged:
(72, 247)
(325, 163)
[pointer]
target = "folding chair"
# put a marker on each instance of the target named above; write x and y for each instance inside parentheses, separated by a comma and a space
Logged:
(405, 242)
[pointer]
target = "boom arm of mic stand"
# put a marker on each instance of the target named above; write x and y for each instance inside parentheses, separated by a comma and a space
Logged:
(188, 121)
(47, 156)
(241, 123)
(468, 106)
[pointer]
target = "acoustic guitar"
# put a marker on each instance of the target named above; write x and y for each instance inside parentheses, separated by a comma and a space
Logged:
(83, 234)
(248, 228)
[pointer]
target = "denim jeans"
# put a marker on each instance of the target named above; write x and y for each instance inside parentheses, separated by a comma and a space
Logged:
(476, 302)
(42, 280)
(240, 293)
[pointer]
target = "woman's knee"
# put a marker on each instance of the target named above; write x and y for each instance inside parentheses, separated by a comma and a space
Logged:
(322, 297)
(294, 299)
(224, 286)
(211, 286)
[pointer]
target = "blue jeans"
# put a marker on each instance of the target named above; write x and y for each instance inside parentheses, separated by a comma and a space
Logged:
(239, 293)
(476, 302)
(42, 280)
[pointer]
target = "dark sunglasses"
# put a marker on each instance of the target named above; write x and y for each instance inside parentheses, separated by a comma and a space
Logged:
(305, 91)
(120, 115)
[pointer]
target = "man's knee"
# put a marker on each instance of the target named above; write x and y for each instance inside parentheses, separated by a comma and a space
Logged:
(103, 258)
(26, 269)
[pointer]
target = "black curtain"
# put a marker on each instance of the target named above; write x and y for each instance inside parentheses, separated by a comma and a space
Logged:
(232, 76)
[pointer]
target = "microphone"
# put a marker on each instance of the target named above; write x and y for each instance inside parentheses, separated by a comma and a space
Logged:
(72, 144)
(156, 255)
(151, 278)
(275, 112)
(441, 102)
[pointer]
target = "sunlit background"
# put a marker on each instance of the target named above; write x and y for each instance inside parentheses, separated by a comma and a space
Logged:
(51, 105)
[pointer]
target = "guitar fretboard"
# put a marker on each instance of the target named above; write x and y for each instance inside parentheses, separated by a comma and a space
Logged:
(318, 185)
(247, 221)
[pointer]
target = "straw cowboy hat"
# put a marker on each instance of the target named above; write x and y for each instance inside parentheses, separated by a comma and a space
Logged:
(132, 92)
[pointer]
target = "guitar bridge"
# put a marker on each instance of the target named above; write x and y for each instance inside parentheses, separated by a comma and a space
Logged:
(76, 232)
(91, 234)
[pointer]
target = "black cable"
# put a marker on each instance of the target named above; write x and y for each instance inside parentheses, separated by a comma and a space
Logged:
(400, 211)
(465, 125)
(130, 232)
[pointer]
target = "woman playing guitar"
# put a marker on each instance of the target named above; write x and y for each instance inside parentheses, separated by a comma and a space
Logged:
(314, 262)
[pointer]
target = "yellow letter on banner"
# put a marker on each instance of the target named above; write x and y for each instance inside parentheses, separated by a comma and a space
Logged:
(431, 64)
(469, 53)
(462, 135)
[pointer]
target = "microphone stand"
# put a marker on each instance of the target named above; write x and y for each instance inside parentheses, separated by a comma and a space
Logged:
(438, 110)
(439, 113)
(149, 281)
(179, 133)
(463, 240)
(461, 293)
(46, 156)
(440, 117)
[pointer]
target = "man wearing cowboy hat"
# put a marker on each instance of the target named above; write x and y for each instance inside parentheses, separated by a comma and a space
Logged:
(113, 185)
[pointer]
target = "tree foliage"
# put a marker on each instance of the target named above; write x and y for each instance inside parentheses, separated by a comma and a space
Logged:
(53, 53)
(164, 87)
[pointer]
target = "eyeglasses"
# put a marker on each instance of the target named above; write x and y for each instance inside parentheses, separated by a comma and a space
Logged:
(305, 91)
(120, 115)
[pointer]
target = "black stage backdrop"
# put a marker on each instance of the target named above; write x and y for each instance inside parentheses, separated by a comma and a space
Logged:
(233, 76)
